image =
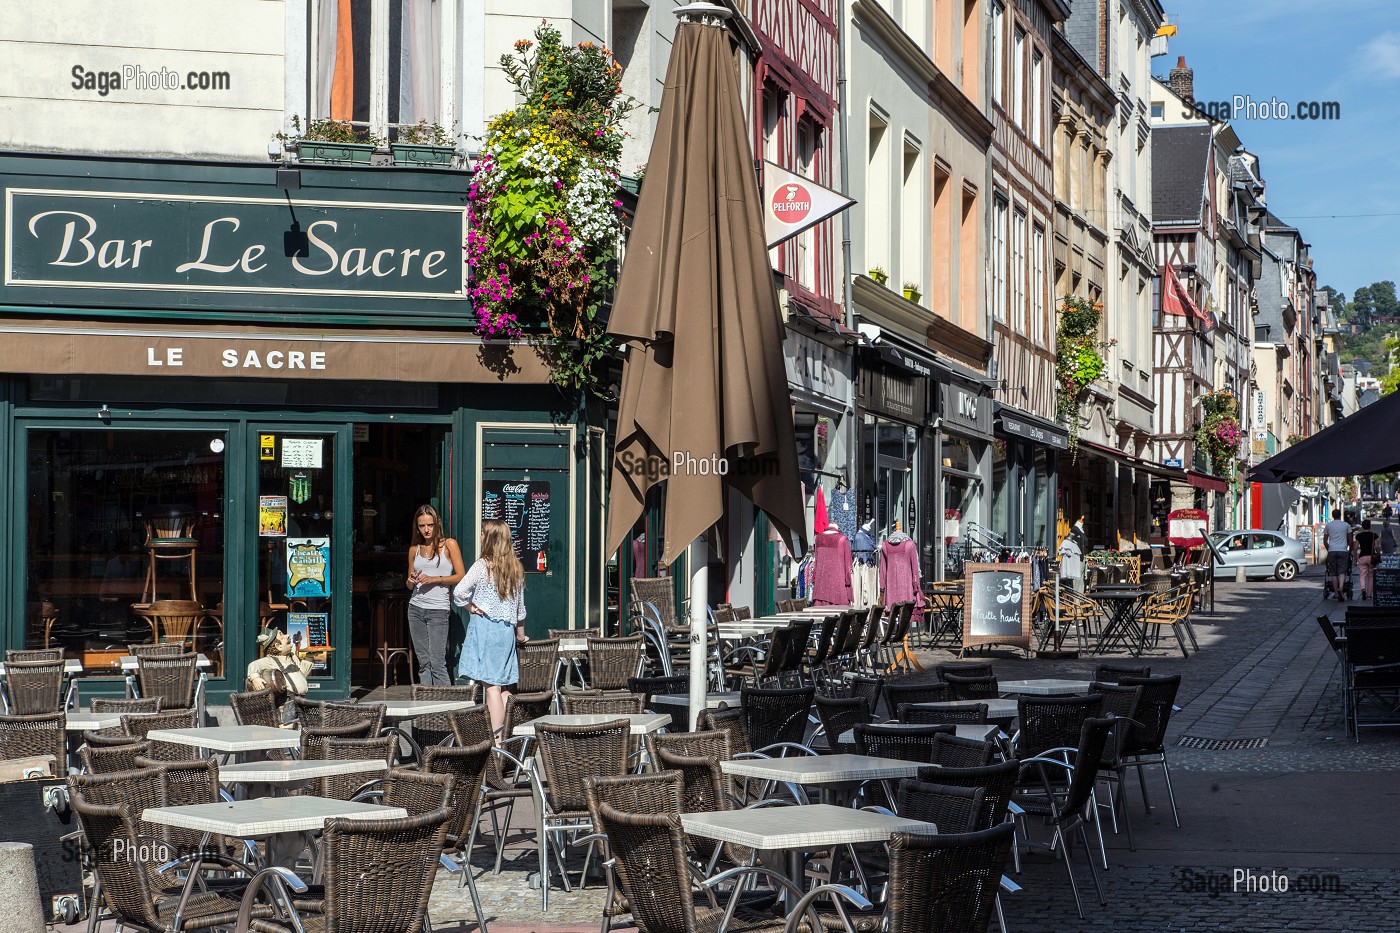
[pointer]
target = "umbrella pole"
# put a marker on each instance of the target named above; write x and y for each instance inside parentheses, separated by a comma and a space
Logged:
(698, 560)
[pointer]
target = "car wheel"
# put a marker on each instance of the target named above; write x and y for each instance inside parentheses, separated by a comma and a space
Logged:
(1286, 570)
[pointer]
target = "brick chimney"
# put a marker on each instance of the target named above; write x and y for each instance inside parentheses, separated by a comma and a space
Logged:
(1181, 80)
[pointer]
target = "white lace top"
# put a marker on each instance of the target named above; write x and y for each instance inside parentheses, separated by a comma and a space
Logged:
(477, 587)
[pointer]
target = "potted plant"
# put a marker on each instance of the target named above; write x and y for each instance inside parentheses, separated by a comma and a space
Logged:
(912, 293)
(423, 143)
(330, 141)
(879, 274)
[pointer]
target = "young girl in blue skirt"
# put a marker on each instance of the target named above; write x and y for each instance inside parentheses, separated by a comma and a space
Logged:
(493, 592)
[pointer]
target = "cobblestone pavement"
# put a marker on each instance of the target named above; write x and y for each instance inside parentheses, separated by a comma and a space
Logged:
(1312, 805)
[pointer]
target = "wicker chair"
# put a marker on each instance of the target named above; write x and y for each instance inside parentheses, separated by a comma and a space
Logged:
(1170, 609)
(952, 809)
(864, 685)
(649, 687)
(416, 792)
(1051, 722)
(1144, 744)
(33, 735)
(255, 708)
(133, 888)
(322, 713)
(503, 783)
(378, 875)
(997, 782)
(695, 756)
(731, 722)
(138, 725)
(612, 660)
(950, 751)
(946, 883)
(97, 759)
(32, 654)
(963, 669)
(839, 715)
(971, 688)
(33, 687)
(775, 721)
(569, 756)
(898, 693)
(125, 705)
(433, 728)
(172, 678)
(1068, 810)
(650, 793)
(1120, 703)
(933, 713)
(583, 705)
(539, 665)
(166, 650)
(185, 783)
(1110, 673)
(905, 743)
(345, 786)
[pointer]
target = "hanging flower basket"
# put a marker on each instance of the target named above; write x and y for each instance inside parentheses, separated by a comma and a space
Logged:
(1079, 360)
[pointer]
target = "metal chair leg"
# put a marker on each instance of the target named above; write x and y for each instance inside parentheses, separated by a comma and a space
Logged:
(1171, 796)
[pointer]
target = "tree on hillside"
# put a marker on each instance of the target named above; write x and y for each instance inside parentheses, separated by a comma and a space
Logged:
(1391, 380)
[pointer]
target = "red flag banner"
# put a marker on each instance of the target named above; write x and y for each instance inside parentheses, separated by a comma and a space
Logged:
(1177, 300)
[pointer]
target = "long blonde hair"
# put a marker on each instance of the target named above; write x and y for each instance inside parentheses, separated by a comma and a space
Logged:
(498, 550)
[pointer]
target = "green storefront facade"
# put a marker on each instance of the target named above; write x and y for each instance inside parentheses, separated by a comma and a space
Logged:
(222, 392)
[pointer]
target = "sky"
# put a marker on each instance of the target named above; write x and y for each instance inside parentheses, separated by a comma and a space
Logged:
(1302, 50)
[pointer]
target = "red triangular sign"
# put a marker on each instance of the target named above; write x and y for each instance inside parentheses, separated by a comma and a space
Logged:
(792, 203)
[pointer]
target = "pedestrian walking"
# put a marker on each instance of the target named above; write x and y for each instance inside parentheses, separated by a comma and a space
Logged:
(1364, 544)
(1387, 533)
(1337, 534)
(434, 567)
(493, 592)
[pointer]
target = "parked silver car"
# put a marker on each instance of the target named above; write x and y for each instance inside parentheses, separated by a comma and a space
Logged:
(1261, 553)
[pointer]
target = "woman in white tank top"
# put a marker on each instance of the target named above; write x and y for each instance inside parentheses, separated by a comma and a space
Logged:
(434, 567)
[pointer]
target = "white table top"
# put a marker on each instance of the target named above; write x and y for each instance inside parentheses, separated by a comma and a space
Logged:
(978, 733)
(129, 662)
(230, 738)
(821, 769)
(407, 709)
(815, 826)
(573, 645)
(80, 720)
(266, 816)
(71, 666)
(1044, 687)
(712, 700)
(642, 723)
(287, 772)
(997, 710)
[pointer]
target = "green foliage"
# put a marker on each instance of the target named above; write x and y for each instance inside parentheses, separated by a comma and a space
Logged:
(544, 223)
(329, 131)
(1219, 434)
(1078, 359)
(424, 133)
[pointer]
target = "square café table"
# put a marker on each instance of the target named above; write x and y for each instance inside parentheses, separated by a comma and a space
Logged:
(285, 822)
(268, 778)
(833, 775)
(642, 723)
(81, 720)
(395, 710)
(1002, 712)
(1044, 687)
(230, 740)
(130, 664)
(978, 732)
(712, 700)
(785, 835)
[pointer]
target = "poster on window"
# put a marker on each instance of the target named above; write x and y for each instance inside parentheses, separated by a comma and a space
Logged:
(308, 631)
(308, 567)
(272, 516)
(525, 508)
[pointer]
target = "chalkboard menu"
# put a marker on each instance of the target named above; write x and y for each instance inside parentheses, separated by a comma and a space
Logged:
(996, 605)
(1387, 582)
(525, 507)
(310, 630)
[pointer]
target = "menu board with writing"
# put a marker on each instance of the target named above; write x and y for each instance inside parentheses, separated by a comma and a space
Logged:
(996, 605)
(1387, 582)
(310, 630)
(525, 508)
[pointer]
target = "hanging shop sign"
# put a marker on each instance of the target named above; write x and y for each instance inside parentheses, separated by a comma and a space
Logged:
(1046, 435)
(885, 392)
(965, 410)
(817, 368)
(792, 203)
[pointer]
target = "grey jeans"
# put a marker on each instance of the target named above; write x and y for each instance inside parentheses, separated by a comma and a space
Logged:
(428, 628)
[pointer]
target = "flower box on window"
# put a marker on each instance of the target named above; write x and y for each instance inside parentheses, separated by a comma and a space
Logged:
(418, 154)
(314, 150)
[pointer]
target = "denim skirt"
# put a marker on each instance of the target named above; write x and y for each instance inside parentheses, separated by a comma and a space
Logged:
(488, 654)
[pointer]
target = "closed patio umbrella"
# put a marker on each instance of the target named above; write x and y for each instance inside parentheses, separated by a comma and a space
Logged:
(704, 405)
(1367, 441)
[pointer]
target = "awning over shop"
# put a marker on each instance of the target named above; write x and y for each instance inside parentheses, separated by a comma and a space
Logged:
(924, 362)
(1206, 481)
(1037, 430)
(1137, 463)
(237, 351)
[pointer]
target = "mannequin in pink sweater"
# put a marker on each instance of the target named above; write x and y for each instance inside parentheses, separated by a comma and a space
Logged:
(831, 585)
(899, 571)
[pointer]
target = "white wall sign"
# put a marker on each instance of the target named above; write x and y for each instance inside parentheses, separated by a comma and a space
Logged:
(302, 453)
(792, 203)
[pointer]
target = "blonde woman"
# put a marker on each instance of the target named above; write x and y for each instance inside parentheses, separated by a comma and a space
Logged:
(434, 567)
(493, 591)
